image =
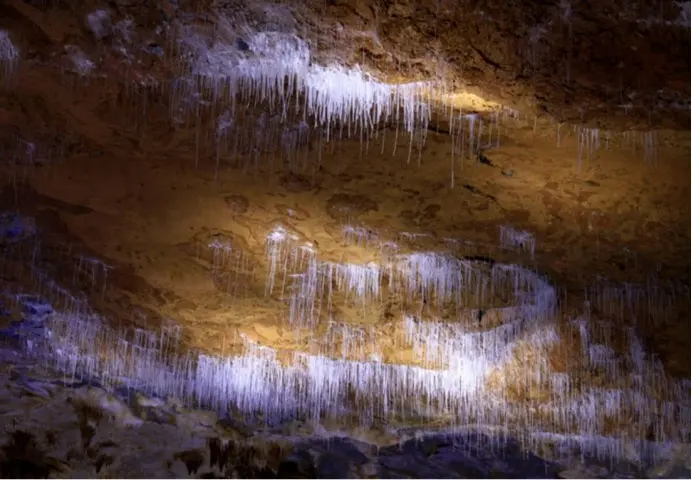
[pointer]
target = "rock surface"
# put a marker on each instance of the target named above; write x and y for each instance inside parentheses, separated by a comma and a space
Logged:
(126, 193)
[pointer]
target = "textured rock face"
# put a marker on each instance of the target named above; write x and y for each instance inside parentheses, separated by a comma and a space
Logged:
(366, 222)
(580, 62)
(615, 65)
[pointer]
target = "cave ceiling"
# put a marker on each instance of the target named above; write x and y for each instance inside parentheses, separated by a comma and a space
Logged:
(164, 150)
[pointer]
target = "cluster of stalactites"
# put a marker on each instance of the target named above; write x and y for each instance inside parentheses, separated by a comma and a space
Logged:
(275, 70)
